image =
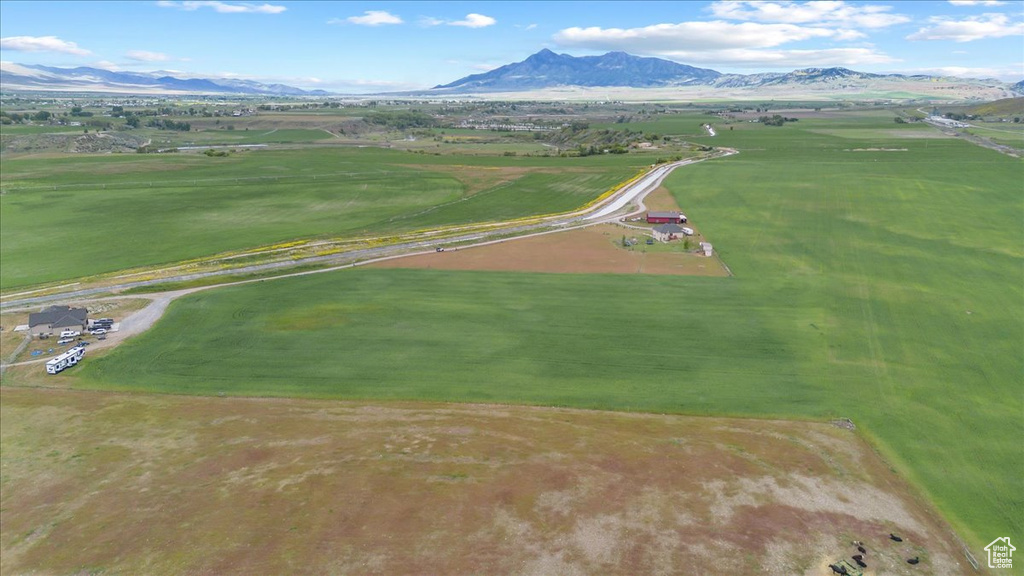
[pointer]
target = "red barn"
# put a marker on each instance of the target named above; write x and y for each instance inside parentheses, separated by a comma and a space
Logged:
(665, 218)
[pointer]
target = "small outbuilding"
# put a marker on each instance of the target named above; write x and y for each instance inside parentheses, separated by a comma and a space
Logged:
(665, 218)
(58, 318)
(707, 248)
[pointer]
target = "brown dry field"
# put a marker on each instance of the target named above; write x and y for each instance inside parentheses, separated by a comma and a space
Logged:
(660, 199)
(105, 483)
(584, 250)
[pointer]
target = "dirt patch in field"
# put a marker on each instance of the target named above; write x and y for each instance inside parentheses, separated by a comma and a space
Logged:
(585, 250)
(107, 483)
(661, 200)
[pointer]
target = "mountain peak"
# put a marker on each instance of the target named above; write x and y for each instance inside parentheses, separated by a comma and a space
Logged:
(544, 55)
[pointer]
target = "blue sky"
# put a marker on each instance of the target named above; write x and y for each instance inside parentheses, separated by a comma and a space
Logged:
(379, 46)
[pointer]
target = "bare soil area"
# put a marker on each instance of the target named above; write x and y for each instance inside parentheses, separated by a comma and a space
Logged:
(584, 250)
(105, 483)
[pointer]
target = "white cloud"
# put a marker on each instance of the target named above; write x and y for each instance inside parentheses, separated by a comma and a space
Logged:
(107, 65)
(474, 21)
(223, 7)
(41, 44)
(788, 59)
(1006, 73)
(369, 18)
(821, 13)
(146, 56)
(727, 43)
(972, 28)
(977, 2)
(470, 21)
(695, 36)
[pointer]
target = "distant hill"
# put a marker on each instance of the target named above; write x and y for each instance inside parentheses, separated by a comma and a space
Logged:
(547, 70)
(84, 79)
(1004, 107)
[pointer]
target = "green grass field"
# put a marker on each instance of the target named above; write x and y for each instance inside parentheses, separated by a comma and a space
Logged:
(1006, 133)
(87, 215)
(881, 286)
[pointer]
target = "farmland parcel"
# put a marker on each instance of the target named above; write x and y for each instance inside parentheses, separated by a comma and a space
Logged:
(883, 286)
(127, 211)
(112, 483)
(877, 277)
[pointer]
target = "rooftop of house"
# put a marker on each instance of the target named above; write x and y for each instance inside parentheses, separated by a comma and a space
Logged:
(669, 229)
(59, 316)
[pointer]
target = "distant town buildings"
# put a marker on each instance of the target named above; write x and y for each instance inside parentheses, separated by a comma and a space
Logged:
(947, 122)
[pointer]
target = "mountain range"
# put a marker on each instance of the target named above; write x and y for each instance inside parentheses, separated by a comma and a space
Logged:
(85, 79)
(548, 71)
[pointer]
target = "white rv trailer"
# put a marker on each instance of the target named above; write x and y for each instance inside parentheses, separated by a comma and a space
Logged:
(65, 360)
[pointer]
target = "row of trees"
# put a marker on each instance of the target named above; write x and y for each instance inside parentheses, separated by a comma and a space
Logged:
(402, 119)
(15, 118)
(165, 124)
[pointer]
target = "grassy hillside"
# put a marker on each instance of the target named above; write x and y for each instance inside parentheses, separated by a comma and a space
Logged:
(86, 215)
(1004, 107)
(877, 276)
